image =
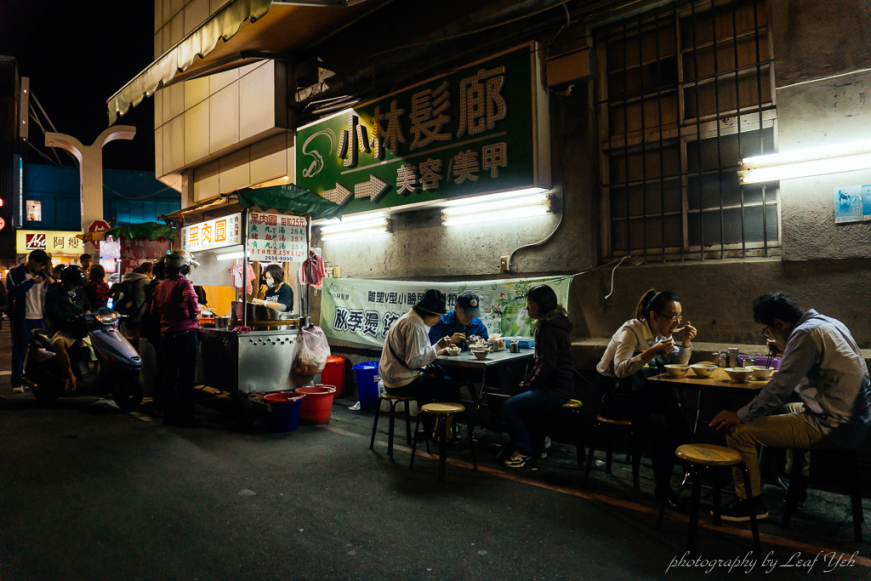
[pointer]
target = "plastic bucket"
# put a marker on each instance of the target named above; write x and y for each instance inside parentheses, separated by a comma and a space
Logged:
(317, 406)
(283, 410)
(334, 373)
(367, 386)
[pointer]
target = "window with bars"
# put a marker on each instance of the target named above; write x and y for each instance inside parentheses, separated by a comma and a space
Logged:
(686, 92)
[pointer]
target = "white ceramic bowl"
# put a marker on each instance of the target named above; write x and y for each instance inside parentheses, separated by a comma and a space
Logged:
(739, 374)
(761, 373)
(677, 370)
(453, 351)
(703, 369)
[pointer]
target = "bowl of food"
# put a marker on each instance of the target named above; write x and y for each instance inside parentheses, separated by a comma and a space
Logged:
(703, 369)
(761, 373)
(677, 370)
(453, 351)
(481, 353)
(739, 374)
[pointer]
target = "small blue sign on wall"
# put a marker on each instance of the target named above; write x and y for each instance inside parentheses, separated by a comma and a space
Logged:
(853, 204)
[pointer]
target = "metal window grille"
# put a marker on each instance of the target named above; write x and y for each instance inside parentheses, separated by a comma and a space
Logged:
(685, 92)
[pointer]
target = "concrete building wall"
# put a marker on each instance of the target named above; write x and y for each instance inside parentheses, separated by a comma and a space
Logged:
(824, 266)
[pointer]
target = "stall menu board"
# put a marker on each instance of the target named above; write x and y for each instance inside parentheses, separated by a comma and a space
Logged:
(218, 233)
(276, 238)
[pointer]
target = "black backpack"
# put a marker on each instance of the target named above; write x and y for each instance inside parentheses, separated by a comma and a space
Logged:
(122, 298)
(148, 325)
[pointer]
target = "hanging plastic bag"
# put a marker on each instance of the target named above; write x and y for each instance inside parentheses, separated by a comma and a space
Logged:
(312, 353)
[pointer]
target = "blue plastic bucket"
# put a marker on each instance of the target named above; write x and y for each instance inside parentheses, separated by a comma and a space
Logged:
(283, 411)
(367, 386)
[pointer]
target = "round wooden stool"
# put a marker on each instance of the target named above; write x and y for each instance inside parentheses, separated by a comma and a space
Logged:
(393, 399)
(700, 457)
(610, 425)
(442, 411)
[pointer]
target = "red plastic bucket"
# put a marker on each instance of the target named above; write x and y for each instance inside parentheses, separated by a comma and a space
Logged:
(334, 373)
(317, 405)
(283, 410)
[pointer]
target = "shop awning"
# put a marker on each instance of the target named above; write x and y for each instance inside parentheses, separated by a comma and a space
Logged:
(281, 27)
(286, 199)
(150, 230)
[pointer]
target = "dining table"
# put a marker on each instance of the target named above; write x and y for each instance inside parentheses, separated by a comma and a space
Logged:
(473, 371)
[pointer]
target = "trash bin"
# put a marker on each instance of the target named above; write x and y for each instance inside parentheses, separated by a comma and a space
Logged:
(367, 385)
(283, 411)
(334, 373)
(317, 407)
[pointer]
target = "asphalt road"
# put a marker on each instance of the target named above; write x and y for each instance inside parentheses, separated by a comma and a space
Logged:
(89, 492)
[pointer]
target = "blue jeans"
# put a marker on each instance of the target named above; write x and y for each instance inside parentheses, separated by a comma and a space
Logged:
(520, 411)
(21, 330)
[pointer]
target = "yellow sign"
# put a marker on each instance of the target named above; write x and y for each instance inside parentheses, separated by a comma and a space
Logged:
(52, 242)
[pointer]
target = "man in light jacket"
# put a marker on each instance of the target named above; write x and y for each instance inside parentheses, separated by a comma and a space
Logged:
(822, 362)
(26, 285)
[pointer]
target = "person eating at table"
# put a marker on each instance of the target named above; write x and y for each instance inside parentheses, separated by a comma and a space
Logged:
(462, 323)
(639, 349)
(551, 382)
(407, 355)
(822, 362)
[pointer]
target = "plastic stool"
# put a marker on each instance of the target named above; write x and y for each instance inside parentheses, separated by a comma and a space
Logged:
(442, 411)
(393, 400)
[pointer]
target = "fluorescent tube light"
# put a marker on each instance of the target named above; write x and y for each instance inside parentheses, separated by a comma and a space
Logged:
(533, 200)
(807, 162)
(354, 226)
(230, 256)
(498, 215)
(350, 219)
(356, 233)
(493, 197)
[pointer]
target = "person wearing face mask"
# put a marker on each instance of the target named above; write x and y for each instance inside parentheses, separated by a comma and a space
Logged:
(275, 294)
(822, 362)
(639, 349)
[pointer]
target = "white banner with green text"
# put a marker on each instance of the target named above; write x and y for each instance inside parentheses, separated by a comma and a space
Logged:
(362, 311)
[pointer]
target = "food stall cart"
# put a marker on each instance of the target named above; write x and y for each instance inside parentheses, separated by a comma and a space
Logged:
(249, 348)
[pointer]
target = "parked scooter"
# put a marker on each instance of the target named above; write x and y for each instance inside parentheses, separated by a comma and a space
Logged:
(115, 373)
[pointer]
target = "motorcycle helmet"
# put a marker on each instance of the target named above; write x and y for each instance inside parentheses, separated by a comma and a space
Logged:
(182, 260)
(73, 277)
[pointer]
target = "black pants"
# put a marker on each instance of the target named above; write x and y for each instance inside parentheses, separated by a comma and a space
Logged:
(179, 352)
(657, 413)
(157, 398)
(428, 389)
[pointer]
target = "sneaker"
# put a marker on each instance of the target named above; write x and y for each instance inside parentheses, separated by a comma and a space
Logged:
(19, 389)
(738, 510)
(545, 448)
(783, 481)
(518, 460)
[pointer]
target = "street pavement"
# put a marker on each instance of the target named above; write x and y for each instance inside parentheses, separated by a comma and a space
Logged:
(89, 492)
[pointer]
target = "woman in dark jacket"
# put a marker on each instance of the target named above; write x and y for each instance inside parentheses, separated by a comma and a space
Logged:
(550, 384)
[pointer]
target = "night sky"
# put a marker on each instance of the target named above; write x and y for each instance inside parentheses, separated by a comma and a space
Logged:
(77, 54)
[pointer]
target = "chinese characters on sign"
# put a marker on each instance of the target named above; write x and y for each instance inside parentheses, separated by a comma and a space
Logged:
(853, 204)
(135, 252)
(446, 137)
(276, 238)
(53, 242)
(226, 231)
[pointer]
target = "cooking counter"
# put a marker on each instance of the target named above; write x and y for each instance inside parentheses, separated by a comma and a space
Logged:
(245, 363)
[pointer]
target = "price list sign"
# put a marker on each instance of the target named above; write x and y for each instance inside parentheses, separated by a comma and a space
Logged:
(276, 238)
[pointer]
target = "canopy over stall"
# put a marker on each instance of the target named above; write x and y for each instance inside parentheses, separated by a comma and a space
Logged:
(286, 200)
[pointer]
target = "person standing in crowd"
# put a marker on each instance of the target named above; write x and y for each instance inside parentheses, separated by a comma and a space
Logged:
(26, 286)
(97, 290)
(147, 268)
(462, 323)
(551, 382)
(407, 351)
(86, 261)
(639, 349)
(65, 303)
(149, 329)
(132, 304)
(175, 305)
(823, 363)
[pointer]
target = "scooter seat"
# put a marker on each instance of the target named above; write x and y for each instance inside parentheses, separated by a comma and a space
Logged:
(41, 338)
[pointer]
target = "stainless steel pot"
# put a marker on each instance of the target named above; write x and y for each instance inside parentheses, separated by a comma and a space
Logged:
(223, 322)
(255, 312)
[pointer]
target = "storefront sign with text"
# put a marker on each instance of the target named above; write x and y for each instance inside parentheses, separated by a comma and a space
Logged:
(276, 238)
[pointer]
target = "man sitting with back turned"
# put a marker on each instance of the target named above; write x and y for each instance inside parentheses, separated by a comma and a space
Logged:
(822, 362)
(65, 303)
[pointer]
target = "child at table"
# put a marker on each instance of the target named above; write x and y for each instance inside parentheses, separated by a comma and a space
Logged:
(551, 381)
(639, 349)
